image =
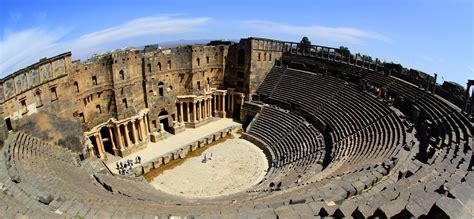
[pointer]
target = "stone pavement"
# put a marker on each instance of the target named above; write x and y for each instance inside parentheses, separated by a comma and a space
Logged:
(154, 150)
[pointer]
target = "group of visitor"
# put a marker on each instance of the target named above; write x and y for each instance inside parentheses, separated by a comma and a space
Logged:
(125, 167)
(380, 92)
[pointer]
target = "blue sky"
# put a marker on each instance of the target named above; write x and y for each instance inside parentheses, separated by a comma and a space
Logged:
(434, 36)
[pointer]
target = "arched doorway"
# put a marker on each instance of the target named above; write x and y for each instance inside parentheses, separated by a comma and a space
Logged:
(160, 88)
(95, 148)
(163, 118)
(107, 140)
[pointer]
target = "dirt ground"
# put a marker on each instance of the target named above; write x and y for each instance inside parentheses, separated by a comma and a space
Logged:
(236, 165)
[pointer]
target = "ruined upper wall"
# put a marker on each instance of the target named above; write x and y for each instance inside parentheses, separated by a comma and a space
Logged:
(249, 62)
(34, 75)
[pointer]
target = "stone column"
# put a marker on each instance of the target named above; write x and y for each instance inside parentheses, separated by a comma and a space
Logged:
(134, 133)
(187, 113)
(90, 147)
(242, 100)
(112, 138)
(100, 146)
(147, 127)
(199, 111)
(194, 111)
(210, 105)
(127, 135)
(144, 126)
(232, 100)
(215, 106)
(206, 110)
(181, 118)
(223, 106)
(203, 112)
(139, 129)
(118, 136)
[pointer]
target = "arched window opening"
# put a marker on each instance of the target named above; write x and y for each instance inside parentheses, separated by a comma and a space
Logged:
(54, 94)
(159, 66)
(160, 88)
(24, 108)
(39, 101)
(77, 86)
(198, 62)
(98, 108)
(169, 64)
(149, 67)
(122, 75)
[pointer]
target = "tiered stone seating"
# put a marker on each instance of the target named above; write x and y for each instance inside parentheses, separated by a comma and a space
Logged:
(289, 136)
(419, 188)
(272, 78)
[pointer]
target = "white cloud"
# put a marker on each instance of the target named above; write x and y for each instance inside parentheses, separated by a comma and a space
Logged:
(22, 48)
(19, 49)
(334, 34)
(140, 27)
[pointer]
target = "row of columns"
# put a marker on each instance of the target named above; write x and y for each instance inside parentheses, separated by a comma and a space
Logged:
(201, 109)
(219, 103)
(230, 97)
(133, 132)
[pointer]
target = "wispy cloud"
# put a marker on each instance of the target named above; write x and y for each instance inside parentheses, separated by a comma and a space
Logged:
(333, 34)
(141, 27)
(21, 48)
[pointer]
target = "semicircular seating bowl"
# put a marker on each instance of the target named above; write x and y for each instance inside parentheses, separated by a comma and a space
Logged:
(358, 166)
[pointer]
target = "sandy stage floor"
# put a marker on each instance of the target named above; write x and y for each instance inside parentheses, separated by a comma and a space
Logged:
(236, 165)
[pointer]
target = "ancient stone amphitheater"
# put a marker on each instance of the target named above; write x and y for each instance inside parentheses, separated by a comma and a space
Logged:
(344, 136)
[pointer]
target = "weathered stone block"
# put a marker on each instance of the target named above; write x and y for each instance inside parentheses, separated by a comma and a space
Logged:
(45, 198)
(157, 162)
(15, 179)
(167, 158)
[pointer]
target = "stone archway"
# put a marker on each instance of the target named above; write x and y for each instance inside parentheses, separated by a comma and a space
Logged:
(163, 117)
(107, 140)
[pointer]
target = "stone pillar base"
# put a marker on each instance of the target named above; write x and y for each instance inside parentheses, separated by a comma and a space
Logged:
(156, 136)
(178, 128)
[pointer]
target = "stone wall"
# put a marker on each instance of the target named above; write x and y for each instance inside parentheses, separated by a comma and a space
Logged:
(249, 62)
(120, 84)
(41, 87)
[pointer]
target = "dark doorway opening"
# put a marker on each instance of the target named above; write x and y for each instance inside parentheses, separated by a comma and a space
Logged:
(247, 121)
(95, 147)
(163, 117)
(8, 122)
(236, 112)
(104, 132)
